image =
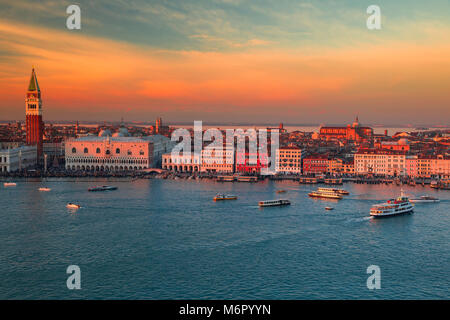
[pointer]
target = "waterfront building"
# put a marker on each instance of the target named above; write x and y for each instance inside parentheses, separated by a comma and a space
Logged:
(433, 166)
(316, 164)
(181, 162)
(348, 167)
(412, 167)
(34, 124)
(119, 153)
(217, 160)
(380, 162)
(18, 158)
(245, 162)
(335, 166)
(353, 132)
(288, 160)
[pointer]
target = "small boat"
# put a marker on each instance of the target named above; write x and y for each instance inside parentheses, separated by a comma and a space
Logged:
(102, 188)
(44, 189)
(247, 179)
(73, 206)
(434, 184)
(281, 191)
(10, 184)
(329, 208)
(335, 190)
(274, 203)
(393, 207)
(225, 178)
(325, 194)
(220, 197)
(425, 199)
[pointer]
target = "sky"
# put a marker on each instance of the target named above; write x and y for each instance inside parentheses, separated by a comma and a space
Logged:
(230, 61)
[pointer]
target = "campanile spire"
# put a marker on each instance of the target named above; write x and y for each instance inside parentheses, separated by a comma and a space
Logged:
(33, 110)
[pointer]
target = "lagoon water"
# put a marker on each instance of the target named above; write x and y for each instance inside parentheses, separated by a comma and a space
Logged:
(167, 239)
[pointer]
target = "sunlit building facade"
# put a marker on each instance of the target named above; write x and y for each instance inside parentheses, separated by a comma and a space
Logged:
(106, 153)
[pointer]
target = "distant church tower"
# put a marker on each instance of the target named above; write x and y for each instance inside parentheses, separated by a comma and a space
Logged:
(34, 124)
(158, 125)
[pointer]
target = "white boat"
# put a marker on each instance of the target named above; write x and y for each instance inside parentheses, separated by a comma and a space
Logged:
(10, 184)
(274, 203)
(425, 199)
(73, 206)
(325, 194)
(393, 207)
(44, 189)
(335, 190)
(329, 208)
(220, 197)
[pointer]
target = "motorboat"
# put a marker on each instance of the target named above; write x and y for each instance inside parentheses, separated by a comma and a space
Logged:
(425, 199)
(274, 203)
(73, 206)
(329, 208)
(9, 184)
(45, 189)
(392, 207)
(220, 197)
(102, 188)
(281, 191)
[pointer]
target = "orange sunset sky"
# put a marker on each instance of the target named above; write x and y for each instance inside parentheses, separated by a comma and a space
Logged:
(229, 61)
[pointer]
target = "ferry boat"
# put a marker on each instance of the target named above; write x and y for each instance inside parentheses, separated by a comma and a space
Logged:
(247, 179)
(424, 199)
(338, 191)
(73, 206)
(325, 194)
(274, 203)
(220, 197)
(392, 207)
(225, 178)
(333, 181)
(9, 184)
(44, 189)
(102, 188)
(308, 180)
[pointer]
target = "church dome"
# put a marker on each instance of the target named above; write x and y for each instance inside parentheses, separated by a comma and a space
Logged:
(104, 133)
(403, 142)
(123, 132)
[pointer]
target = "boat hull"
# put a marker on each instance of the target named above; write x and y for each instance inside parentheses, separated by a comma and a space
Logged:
(323, 196)
(392, 214)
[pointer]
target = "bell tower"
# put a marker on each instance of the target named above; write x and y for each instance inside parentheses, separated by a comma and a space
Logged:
(34, 124)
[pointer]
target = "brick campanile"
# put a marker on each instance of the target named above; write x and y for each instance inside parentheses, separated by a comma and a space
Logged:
(35, 126)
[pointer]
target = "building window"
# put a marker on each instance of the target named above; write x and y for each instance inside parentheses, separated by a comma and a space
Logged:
(98, 150)
(117, 150)
(141, 152)
(108, 152)
(129, 152)
(74, 150)
(86, 150)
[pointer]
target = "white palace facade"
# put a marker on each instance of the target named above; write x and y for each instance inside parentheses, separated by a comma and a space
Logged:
(115, 153)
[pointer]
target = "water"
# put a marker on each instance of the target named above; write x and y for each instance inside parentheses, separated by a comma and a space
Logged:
(167, 239)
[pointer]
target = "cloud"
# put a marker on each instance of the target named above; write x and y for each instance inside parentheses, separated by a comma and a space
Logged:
(85, 76)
